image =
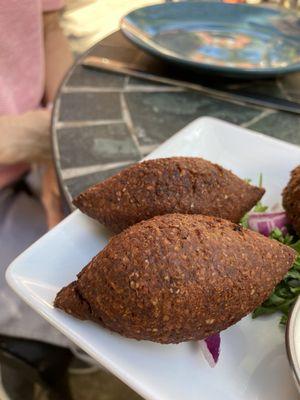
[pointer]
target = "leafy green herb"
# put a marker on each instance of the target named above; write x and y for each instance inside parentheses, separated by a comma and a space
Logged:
(260, 180)
(286, 292)
(244, 221)
(259, 206)
(283, 320)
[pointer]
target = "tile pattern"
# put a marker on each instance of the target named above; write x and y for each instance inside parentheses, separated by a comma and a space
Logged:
(109, 143)
(79, 183)
(80, 78)
(104, 122)
(89, 106)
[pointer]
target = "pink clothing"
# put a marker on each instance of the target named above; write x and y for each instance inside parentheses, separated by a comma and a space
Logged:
(22, 62)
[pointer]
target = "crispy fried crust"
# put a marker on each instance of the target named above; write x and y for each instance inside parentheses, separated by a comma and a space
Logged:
(168, 185)
(291, 199)
(177, 277)
(70, 300)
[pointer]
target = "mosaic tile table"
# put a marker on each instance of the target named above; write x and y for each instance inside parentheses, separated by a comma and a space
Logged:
(103, 122)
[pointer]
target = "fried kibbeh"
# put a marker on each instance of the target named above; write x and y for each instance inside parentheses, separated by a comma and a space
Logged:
(186, 185)
(176, 278)
(291, 199)
(74, 303)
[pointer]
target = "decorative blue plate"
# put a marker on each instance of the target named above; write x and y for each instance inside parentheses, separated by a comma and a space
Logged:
(231, 39)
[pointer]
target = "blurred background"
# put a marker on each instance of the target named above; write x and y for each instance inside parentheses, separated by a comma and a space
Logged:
(87, 21)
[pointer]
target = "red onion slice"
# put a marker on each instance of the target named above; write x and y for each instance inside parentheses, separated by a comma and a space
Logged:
(210, 348)
(266, 222)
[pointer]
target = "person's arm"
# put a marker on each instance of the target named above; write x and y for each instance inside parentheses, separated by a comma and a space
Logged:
(58, 56)
(58, 59)
(25, 137)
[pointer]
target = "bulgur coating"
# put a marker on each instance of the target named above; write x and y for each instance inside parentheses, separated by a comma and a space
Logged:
(175, 278)
(186, 185)
(291, 199)
(73, 302)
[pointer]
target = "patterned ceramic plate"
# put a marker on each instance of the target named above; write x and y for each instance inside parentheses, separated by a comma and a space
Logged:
(231, 39)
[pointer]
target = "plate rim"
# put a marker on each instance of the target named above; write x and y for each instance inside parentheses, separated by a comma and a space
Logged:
(246, 131)
(163, 52)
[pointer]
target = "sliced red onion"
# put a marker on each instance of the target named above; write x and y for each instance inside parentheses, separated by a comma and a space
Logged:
(210, 348)
(266, 222)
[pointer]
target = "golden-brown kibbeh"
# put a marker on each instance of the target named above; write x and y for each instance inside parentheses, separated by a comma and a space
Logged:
(176, 278)
(291, 199)
(186, 185)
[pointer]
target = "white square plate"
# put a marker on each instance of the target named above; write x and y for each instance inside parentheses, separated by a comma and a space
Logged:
(253, 363)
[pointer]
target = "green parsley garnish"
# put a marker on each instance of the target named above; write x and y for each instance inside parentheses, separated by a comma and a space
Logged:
(286, 292)
(259, 206)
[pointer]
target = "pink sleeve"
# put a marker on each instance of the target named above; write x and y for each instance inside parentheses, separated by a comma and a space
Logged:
(52, 5)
